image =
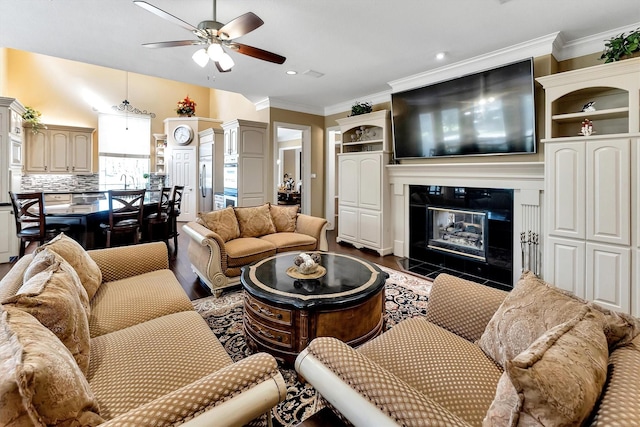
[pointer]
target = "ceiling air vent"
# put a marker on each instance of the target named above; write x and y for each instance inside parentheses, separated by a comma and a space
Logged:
(312, 73)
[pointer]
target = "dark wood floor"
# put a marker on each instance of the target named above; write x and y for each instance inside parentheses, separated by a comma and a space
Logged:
(189, 281)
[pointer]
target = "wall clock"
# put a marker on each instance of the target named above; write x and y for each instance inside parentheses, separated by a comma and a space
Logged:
(183, 134)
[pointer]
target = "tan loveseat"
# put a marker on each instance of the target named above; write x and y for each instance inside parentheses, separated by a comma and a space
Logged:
(481, 357)
(224, 241)
(109, 337)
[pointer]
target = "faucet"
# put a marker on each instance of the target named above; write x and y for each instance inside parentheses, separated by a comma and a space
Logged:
(125, 180)
(133, 181)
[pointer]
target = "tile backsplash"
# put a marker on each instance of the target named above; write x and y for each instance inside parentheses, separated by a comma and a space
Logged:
(60, 183)
(72, 183)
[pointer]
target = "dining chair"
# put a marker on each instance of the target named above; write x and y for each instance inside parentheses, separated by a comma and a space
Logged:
(125, 214)
(174, 212)
(160, 218)
(31, 224)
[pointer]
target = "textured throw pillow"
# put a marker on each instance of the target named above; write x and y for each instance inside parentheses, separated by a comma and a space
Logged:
(557, 380)
(58, 301)
(255, 221)
(532, 308)
(222, 222)
(87, 269)
(40, 383)
(284, 218)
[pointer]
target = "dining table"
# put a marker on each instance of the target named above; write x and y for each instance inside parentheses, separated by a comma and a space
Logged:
(85, 213)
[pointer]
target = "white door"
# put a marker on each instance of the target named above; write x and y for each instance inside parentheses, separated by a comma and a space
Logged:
(184, 171)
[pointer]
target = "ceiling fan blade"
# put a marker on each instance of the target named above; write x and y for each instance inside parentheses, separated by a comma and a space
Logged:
(165, 15)
(240, 26)
(257, 53)
(173, 43)
(221, 69)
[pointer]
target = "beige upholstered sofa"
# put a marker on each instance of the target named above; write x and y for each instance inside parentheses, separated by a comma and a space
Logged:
(224, 241)
(481, 357)
(109, 337)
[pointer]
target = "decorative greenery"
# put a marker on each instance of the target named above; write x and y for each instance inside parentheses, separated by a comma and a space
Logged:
(32, 117)
(616, 48)
(186, 107)
(361, 108)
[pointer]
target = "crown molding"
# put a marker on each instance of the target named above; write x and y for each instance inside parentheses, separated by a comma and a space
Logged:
(291, 106)
(536, 47)
(376, 98)
(590, 44)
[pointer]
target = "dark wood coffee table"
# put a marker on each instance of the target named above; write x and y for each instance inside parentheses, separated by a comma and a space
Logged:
(283, 314)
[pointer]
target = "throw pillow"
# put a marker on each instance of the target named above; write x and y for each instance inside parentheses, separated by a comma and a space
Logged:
(284, 218)
(532, 308)
(557, 380)
(40, 383)
(255, 221)
(222, 222)
(87, 269)
(55, 297)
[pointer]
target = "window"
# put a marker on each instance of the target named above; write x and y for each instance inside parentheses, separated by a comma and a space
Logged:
(124, 146)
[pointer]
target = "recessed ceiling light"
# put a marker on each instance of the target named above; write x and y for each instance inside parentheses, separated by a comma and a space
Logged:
(292, 72)
(440, 56)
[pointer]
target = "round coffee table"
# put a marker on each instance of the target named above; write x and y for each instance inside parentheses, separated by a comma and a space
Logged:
(282, 314)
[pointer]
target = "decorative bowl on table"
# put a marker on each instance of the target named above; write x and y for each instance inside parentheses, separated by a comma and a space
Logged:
(306, 266)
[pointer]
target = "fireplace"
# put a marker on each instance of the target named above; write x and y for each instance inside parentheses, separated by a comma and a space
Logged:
(463, 231)
(455, 231)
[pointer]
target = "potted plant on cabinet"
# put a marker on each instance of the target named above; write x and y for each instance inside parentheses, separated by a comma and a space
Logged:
(361, 108)
(622, 46)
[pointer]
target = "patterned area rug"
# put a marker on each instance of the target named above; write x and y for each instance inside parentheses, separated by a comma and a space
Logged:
(406, 296)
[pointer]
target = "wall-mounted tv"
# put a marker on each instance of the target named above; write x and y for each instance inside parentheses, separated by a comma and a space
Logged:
(490, 112)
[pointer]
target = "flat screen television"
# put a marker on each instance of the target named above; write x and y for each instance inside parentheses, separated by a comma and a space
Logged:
(490, 112)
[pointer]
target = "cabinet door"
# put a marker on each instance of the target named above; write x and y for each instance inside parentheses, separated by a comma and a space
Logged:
(565, 176)
(608, 191)
(608, 276)
(565, 264)
(8, 239)
(348, 223)
(59, 151)
(370, 181)
(231, 141)
(349, 173)
(81, 152)
(370, 228)
(37, 152)
(252, 142)
(15, 151)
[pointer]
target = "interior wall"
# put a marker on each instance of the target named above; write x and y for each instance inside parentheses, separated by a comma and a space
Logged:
(3, 71)
(66, 93)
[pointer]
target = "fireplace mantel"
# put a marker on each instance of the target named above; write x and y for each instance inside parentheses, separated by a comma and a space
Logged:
(525, 178)
(515, 175)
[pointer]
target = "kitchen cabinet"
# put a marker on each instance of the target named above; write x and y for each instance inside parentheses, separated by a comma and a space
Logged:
(591, 184)
(246, 145)
(161, 148)
(364, 212)
(59, 149)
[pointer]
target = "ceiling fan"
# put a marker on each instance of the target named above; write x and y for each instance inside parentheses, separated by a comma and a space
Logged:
(215, 37)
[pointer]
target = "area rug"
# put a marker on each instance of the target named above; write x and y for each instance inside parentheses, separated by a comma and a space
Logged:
(406, 296)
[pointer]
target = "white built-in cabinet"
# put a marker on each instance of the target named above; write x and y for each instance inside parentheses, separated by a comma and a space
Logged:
(59, 149)
(591, 184)
(11, 158)
(245, 143)
(364, 214)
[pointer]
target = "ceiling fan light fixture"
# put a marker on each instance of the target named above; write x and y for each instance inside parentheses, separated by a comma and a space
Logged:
(226, 62)
(215, 52)
(200, 57)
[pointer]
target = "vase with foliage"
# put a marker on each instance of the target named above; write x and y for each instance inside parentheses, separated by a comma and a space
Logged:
(32, 117)
(361, 108)
(186, 107)
(622, 46)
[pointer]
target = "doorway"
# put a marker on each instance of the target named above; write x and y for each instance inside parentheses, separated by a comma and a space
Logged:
(334, 144)
(292, 154)
(184, 171)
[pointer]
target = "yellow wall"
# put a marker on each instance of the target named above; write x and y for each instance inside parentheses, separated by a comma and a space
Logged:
(66, 92)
